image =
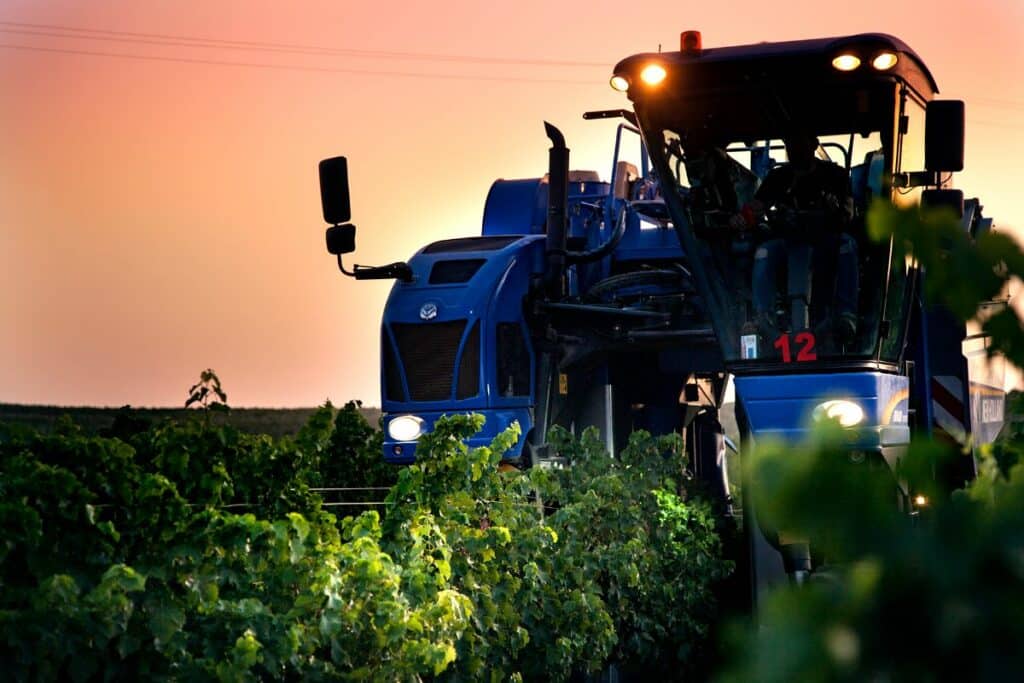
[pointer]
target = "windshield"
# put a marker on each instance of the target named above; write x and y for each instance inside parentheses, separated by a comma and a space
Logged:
(778, 229)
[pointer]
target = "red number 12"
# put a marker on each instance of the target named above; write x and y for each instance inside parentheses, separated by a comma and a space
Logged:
(806, 352)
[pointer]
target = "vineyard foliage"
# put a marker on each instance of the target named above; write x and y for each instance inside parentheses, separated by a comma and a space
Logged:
(934, 596)
(193, 551)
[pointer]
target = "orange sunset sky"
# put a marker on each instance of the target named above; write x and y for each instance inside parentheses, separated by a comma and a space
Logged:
(159, 207)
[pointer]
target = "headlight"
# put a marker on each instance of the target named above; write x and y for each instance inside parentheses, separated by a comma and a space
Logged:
(846, 62)
(620, 83)
(847, 413)
(405, 428)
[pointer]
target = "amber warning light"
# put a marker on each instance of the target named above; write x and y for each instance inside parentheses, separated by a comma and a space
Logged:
(689, 41)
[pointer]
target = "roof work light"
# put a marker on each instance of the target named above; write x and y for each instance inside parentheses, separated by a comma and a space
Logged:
(846, 62)
(653, 74)
(884, 61)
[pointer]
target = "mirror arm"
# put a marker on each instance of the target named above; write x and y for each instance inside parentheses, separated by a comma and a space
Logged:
(393, 271)
(916, 179)
(341, 267)
(398, 270)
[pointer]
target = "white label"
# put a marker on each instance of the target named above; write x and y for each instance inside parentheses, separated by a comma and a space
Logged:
(748, 346)
(991, 410)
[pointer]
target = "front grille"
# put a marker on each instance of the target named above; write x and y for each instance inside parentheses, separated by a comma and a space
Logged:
(427, 352)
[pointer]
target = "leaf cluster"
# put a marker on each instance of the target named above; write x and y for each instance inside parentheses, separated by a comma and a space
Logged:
(353, 456)
(937, 595)
(961, 272)
(651, 545)
(605, 561)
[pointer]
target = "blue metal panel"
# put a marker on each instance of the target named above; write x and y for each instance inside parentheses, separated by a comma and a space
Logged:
(496, 422)
(516, 207)
(780, 407)
(519, 207)
(507, 306)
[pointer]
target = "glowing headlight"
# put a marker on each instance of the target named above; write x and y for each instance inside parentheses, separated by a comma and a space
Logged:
(884, 61)
(653, 74)
(846, 62)
(405, 428)
(847, 413)
(620, 83)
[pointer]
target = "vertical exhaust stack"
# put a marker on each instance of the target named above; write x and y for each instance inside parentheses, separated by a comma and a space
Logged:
(558, 197)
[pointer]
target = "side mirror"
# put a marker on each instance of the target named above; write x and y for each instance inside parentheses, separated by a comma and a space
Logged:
(334, 195)
(954, 199)
(341, 236)
(341, 239)
(944, 136)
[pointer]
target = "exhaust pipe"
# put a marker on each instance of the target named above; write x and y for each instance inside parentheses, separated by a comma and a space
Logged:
(558, 198)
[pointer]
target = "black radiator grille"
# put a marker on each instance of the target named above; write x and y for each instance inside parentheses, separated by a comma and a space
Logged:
(427, 352)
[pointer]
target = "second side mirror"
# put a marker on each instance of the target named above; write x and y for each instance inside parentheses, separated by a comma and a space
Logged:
(944, 136)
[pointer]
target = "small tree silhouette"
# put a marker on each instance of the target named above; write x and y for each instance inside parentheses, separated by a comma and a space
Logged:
(207, 393)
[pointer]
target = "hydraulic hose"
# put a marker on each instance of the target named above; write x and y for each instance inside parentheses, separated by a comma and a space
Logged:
(635, 279)
(602, 250)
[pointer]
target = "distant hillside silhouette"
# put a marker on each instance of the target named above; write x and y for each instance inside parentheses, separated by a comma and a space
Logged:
(273, 421)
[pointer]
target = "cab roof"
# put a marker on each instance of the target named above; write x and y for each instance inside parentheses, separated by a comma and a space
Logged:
(792, 61)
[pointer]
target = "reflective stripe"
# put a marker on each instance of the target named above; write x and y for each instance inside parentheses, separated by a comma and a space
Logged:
(948, 406)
